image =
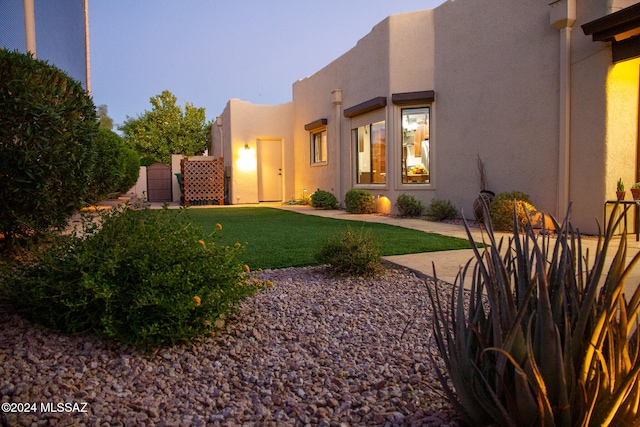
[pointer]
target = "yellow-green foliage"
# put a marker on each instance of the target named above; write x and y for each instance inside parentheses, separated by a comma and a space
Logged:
(502, 210)
(351, 254)
(144, 277)
(359, 201)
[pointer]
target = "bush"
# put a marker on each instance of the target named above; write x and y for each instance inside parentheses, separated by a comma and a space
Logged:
(359, 201)
(351, 254)
(146, 278)
(408, 205)
(542, 338)
(130, 169)
(117, 166)
(47, 152)
(502, 210)
(440, 209)
(324, 200)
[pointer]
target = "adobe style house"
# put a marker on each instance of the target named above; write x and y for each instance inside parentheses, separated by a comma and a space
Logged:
(55, 31)
(545, 94)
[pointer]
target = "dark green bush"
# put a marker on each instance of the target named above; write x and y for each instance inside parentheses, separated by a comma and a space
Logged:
(542, 338)
(130, 169)
(408, 205)
(351, 254)
(107, 168)
(47, 130)
(440, 209)
(502, 210)
(324, 200)
(359, 201)
(148, 278)
(117, 166)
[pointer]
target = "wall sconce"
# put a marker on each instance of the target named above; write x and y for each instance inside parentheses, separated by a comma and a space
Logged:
(246, 160)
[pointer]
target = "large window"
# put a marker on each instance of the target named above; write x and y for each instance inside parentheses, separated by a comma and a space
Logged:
(415, 145)
(371, 153)
(319, 147)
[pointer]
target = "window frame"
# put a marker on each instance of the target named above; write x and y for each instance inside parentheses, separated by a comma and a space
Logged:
(357, 149)
(323, 143)
(430, 156)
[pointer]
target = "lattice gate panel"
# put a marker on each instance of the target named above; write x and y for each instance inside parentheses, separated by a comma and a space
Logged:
(202, 181)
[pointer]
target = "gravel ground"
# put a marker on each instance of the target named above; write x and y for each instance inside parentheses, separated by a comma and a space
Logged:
(310, 350)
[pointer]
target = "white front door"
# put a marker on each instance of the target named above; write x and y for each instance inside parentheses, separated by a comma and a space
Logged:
(269, 170)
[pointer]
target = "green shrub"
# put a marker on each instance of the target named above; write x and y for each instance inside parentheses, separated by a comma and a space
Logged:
(148, 278)
(117, 166)
(324, 200)
(351, 254)
(47, 146)
(408, 205)
(542, 338)
(502, 208)
(130, 169)
(106, 176)
(359, 201)
(440, 209)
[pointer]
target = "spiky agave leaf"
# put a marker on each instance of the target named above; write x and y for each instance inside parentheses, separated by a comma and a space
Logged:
(581, 351)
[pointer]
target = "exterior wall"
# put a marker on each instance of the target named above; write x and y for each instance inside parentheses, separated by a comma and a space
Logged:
(59, 32)
(396, 56)
(140, 188)
(496, 82)
(590, 63)
(361, 74)
(604, 119)
(244, 123)
(411, 69)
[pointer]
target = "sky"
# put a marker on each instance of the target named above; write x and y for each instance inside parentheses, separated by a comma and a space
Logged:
(208, 51)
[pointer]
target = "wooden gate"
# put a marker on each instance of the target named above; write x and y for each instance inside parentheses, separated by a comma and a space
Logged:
(159, 183)
(202, 181)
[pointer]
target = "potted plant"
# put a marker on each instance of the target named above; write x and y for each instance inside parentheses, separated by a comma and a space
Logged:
(635, 191)
(620, 193)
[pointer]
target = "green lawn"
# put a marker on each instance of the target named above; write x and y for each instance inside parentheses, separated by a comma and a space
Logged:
(277, 238)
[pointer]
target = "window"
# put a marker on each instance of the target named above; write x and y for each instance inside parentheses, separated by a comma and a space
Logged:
(371, 153)
(319, 147)
(415, 145)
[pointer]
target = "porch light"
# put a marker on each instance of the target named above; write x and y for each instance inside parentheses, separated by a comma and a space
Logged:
(246, 161)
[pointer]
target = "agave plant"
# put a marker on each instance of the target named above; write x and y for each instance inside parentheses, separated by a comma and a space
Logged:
(542, 338)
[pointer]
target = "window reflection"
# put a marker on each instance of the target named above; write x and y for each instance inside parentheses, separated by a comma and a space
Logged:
(371, 149)
(415, 145)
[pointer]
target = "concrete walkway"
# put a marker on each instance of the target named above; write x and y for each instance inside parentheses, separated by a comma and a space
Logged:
(447, 263)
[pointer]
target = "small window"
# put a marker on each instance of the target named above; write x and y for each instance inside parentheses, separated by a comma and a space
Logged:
(319, 147)
(415, 146)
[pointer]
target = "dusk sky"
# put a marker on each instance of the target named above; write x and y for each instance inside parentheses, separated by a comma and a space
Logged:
(208, 51)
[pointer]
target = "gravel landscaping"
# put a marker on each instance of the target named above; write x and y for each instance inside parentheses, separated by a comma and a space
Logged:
(310, 350)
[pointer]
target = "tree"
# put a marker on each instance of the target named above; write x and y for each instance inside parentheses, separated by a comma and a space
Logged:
(117, 166)
(47, 129)
(105, 121)
(167, 130)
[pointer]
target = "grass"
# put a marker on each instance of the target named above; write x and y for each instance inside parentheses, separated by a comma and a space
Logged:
(277, 238)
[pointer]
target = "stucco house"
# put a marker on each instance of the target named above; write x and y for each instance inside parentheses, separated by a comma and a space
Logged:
(545, 94)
